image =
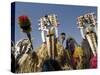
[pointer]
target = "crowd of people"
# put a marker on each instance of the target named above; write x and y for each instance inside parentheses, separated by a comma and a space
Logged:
(69, 54)
(74, 56)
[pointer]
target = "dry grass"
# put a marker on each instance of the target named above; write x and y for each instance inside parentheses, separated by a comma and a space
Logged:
(32, 62)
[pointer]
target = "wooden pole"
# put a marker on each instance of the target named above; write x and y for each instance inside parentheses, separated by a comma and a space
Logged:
(29, 37)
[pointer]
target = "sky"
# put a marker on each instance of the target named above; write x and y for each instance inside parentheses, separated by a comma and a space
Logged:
(66, 14)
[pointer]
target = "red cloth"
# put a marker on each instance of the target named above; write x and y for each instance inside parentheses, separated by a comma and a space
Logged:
(93, 62)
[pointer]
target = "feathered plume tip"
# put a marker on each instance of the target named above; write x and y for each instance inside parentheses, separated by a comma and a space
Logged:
(24, 23)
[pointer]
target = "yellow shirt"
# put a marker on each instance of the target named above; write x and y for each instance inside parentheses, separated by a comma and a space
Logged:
(78, 52)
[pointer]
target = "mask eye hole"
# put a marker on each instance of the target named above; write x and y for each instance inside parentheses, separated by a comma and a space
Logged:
(87, 33)
(91, 31)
